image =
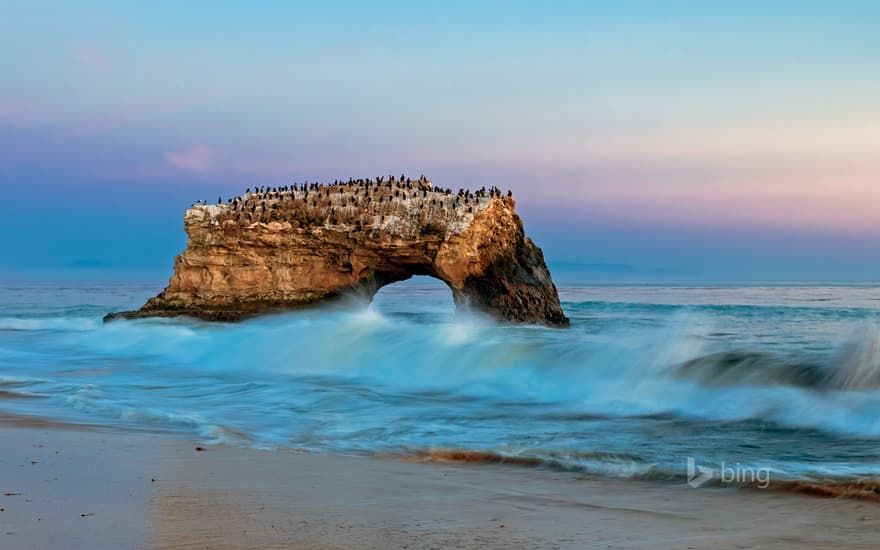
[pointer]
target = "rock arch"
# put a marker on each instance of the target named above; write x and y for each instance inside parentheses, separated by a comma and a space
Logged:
(306, 247)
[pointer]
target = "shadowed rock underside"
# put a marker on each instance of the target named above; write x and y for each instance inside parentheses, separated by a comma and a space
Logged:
(279, 249)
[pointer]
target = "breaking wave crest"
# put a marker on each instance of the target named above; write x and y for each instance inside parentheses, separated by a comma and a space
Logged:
(853, 366)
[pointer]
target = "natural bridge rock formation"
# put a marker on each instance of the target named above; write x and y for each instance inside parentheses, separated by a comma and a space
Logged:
(276, 249)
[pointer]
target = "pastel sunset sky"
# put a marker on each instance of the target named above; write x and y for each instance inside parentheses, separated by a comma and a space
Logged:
(729, 140)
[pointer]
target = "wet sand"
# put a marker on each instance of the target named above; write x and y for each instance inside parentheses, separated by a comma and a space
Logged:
(67, 486)
(85, 488)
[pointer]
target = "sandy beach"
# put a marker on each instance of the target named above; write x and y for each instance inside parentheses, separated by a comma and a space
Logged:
(80, 487)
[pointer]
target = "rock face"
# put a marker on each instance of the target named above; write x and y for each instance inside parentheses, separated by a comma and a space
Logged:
(277, 249)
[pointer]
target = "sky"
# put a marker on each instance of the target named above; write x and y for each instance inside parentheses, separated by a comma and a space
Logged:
(680, 140)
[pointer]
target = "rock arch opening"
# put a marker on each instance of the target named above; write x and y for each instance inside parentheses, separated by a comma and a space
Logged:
(421, 297)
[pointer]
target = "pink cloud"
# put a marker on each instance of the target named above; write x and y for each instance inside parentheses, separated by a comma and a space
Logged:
(15, 110)
(197, 158)
(90, 56)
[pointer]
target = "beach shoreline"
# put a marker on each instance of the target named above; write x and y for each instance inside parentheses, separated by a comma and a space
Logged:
(80, 487)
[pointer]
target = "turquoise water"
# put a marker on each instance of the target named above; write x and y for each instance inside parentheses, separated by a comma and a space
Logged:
(786, 378)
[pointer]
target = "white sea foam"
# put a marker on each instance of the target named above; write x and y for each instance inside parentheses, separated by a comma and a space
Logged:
(49, 323)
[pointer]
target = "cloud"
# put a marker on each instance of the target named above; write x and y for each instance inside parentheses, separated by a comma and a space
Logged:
(197, 158)
(90, 56)
(15, 110)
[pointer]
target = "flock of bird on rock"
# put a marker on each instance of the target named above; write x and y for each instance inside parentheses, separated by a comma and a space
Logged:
(341, 199)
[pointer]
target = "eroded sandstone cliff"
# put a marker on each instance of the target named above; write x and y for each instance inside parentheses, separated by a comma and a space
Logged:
(282, 248)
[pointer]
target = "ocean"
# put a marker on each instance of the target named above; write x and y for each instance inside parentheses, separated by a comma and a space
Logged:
(648, 381)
